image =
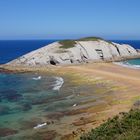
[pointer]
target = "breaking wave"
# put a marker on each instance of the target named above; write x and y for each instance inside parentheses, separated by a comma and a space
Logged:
(37, 78)
(127, 65)
(58, 83)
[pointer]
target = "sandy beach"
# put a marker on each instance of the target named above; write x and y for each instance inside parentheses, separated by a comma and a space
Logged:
(116, 88)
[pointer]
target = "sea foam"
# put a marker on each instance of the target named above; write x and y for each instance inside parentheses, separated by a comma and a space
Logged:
(37, 78)
(127, 65)
(40, 125)
(58, 83)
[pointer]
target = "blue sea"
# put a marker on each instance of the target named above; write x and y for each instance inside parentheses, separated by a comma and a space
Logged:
(29, 100)
(135, 63)
(11, 49)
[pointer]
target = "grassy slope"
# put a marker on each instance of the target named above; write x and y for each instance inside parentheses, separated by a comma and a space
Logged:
(123, 127)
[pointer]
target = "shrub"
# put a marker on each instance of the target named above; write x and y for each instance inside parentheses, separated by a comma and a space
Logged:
(119, 128)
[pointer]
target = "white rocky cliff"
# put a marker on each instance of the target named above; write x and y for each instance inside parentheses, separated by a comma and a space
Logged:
(76, 51)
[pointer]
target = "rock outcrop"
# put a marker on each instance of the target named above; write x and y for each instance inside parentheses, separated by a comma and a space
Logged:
(76, 51)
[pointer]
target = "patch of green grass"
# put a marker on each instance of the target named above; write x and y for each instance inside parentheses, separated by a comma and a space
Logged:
(90, 39)
(126, 126)
(71, 43)
(67, 44)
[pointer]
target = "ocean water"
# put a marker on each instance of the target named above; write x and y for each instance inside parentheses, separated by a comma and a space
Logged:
(27, 99)
(32, 103)
(135, 63)
(11, 49)
(134, 43)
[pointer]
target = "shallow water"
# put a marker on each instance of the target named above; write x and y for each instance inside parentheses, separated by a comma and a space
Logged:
(28, 100)
(25, 96)
(134, 63)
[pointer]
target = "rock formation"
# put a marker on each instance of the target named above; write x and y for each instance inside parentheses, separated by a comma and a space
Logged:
(76, 51)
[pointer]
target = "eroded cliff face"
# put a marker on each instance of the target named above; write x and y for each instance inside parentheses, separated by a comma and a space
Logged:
(78, 51)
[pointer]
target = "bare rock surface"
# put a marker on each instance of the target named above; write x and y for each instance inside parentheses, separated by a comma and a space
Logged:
(77, 51)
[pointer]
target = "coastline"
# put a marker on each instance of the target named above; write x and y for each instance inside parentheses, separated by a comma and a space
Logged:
(122, 91)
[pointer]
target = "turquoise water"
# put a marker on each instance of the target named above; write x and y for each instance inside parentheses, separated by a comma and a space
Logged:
(25, 99)
(28, 100)
(134, 63)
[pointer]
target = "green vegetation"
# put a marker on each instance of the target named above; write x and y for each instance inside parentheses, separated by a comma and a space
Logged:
(67, 44)
(126, 126)
(90, 39)
(71, 43)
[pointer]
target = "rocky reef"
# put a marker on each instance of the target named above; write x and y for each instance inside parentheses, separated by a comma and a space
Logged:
(91, 49)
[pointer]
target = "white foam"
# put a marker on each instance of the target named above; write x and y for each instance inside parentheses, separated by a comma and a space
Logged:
(58, 83)
(37, 78)
(127, 65)
(74, 105)
(40, 125)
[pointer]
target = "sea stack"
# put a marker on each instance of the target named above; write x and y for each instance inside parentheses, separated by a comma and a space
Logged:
(90, 49)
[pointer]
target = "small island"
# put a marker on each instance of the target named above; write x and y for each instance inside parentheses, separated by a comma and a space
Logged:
(84, 50)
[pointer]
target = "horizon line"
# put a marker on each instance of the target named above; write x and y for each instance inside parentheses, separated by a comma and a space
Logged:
(43, 39)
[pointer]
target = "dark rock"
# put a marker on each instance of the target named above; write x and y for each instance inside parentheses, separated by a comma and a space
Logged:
(52, 122)
(48, 123)
(7, 131)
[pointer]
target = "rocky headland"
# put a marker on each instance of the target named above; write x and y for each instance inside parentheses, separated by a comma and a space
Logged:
(91, 49)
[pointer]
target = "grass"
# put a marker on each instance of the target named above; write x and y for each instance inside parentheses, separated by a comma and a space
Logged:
(126, 126)
(66, 44)
(90, 39)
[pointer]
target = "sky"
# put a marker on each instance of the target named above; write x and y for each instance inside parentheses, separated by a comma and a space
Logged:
(61, 19)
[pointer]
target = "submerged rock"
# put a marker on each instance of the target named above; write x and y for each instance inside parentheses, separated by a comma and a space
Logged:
(7, 131)
(4, 110)
(77, 51)
(25, 105)
(10, 95)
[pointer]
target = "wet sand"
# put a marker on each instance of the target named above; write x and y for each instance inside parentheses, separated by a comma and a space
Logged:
(114, 90)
